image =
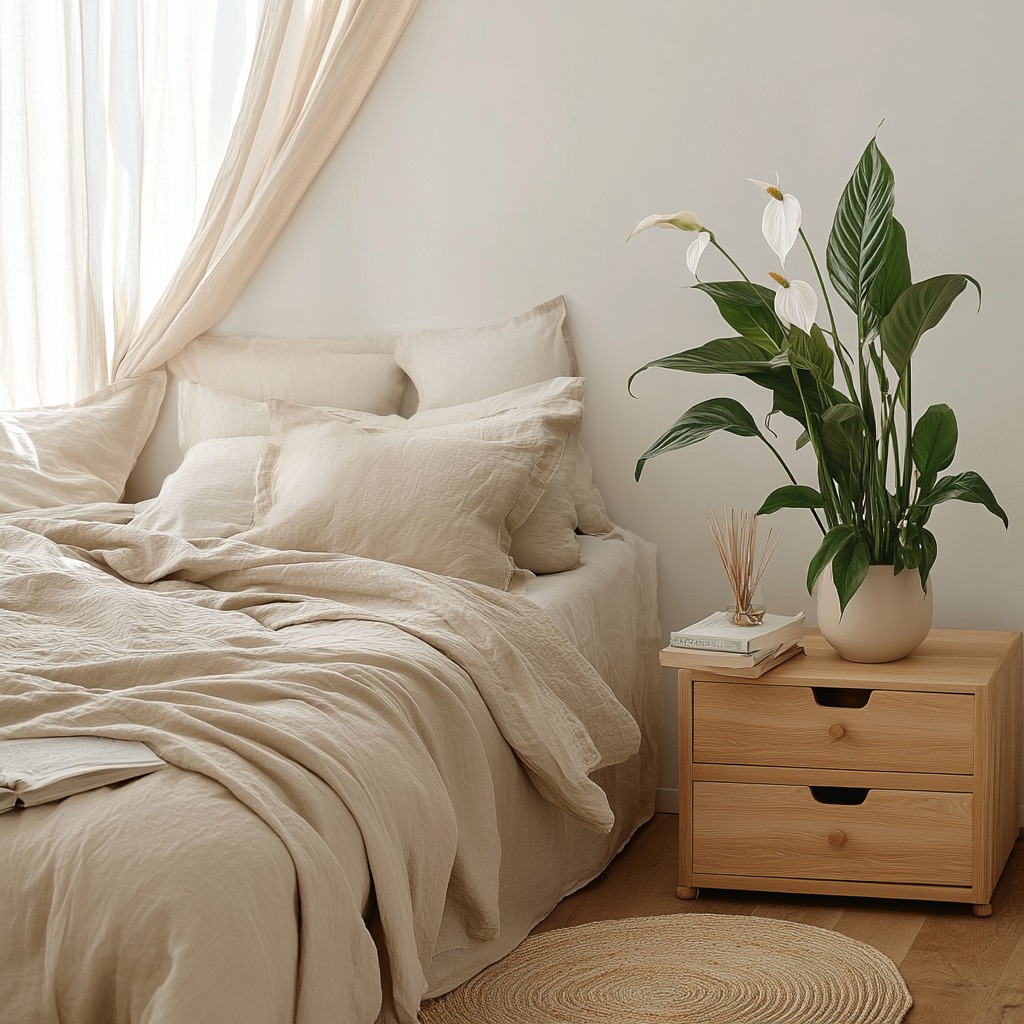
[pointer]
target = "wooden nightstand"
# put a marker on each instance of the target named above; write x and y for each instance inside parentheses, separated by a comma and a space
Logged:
(825, 776)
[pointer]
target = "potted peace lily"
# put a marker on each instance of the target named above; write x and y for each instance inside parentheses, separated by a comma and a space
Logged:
(878, 460)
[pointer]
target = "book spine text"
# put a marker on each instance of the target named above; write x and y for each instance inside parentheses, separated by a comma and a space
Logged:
(697, 643)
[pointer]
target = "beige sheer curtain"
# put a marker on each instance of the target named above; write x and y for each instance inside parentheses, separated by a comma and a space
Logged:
(150, 152)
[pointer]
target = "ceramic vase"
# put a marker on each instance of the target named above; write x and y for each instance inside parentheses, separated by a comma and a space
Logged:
(887, 619)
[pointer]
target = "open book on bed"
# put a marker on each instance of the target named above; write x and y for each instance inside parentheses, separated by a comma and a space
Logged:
(37, 771)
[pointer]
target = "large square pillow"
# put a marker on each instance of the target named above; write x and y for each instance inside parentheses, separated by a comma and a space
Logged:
(546, 542)
(76, 454)
(440, 501)
(453, 367)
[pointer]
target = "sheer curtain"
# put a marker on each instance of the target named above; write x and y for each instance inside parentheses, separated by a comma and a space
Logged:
(149, 154)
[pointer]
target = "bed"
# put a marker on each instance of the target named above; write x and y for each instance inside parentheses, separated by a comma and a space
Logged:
(381, 775)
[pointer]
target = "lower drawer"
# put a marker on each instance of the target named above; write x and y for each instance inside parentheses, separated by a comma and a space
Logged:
(804, 832)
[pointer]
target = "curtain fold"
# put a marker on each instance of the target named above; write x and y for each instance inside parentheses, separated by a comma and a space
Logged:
(149, 159)
(315, 92)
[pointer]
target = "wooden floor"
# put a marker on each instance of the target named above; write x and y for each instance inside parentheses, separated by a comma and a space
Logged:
(960, 969)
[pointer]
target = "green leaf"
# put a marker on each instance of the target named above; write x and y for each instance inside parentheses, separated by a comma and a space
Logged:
(929, 551)
(832, 543)
(963, 487)
(934, 443)
(748, 308)
(750, 359)
(845, 439)
(791, 496)
(857, 245)
(809, 352)
(699, 422)
(893, 276)
(917, 310)
(723, 355)
(849, 568)
(918, 549)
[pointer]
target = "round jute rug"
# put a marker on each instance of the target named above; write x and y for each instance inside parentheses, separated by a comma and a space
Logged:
(683, 968)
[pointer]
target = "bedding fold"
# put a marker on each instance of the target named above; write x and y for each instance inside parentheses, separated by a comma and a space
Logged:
(299, 680)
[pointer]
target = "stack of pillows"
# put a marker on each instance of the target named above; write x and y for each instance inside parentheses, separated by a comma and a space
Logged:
(485, 480)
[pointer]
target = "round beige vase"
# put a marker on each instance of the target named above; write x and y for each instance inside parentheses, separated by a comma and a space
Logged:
(887, 619)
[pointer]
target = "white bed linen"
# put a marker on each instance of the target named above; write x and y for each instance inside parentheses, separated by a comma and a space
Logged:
(607, 608)
(607, 613)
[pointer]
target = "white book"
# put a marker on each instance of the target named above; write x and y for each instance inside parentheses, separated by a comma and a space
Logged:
(695, 658)
(36, 771)
(718, 633)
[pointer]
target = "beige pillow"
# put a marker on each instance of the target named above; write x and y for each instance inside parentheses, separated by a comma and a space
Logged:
(431, 500)
(205, 414)
(211, 494)
(75, 454)
(546, 542)
(356, 373)
(453, 367)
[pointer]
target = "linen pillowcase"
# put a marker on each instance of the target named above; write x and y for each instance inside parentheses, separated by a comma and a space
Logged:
(205, 414)
(546, 542)
(430, 500)
(453, 367)
(77, 454)
(356, 373)
(211, 494)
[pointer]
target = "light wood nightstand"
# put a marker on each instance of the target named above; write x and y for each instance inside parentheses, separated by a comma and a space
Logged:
(825, 776)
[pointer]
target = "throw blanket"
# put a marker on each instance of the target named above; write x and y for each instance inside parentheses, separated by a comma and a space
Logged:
(243, 664)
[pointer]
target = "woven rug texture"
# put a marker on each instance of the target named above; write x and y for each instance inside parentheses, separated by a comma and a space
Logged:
(683, 969)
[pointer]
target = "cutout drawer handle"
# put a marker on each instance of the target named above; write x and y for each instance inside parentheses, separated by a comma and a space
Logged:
(837, 732)
(837, 838)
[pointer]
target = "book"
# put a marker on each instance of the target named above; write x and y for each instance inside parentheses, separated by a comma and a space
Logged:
(685, 657)
(717, 633)
(679, 657)
(37, 771)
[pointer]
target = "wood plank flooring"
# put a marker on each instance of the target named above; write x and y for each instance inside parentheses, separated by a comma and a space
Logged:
(960, 969)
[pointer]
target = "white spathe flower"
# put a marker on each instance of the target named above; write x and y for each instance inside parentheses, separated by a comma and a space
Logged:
(795, 302)
(684, 220)
(780, 224)
(696, 249)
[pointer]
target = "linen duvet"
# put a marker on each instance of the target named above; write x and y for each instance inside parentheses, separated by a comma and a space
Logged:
(328, 830)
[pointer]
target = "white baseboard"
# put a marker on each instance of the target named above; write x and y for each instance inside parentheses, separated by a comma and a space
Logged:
(667, 802)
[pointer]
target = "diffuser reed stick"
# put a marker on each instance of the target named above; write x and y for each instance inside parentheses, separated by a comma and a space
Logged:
(737, 547)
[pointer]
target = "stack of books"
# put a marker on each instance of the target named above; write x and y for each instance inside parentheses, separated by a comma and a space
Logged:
(716, 643)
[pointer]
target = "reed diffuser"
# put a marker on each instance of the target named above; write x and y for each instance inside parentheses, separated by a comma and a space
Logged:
(737, 547)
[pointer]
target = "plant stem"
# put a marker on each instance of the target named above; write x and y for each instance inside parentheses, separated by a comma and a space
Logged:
(831, 317)
(792, 479)
(771, 309)
(714, 242)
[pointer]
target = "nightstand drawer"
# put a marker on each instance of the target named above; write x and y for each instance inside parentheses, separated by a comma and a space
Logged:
(785, 832)
(805, 727)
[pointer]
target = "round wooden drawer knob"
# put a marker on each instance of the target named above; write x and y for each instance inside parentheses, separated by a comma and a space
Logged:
(837, 838)
(837, 732)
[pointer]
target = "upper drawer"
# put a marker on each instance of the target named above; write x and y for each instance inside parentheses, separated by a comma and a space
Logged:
(896, 730)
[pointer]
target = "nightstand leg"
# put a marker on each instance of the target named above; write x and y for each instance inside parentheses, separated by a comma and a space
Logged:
(982, 909)
(687, 892)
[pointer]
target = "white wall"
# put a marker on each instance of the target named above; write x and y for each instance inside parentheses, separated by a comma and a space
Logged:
(509, 148)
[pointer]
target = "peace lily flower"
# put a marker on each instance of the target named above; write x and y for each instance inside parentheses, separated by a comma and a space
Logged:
(795, 302)
(684, 220)
(782, 216)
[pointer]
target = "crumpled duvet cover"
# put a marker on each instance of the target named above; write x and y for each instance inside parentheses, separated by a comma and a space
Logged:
(293, 694)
